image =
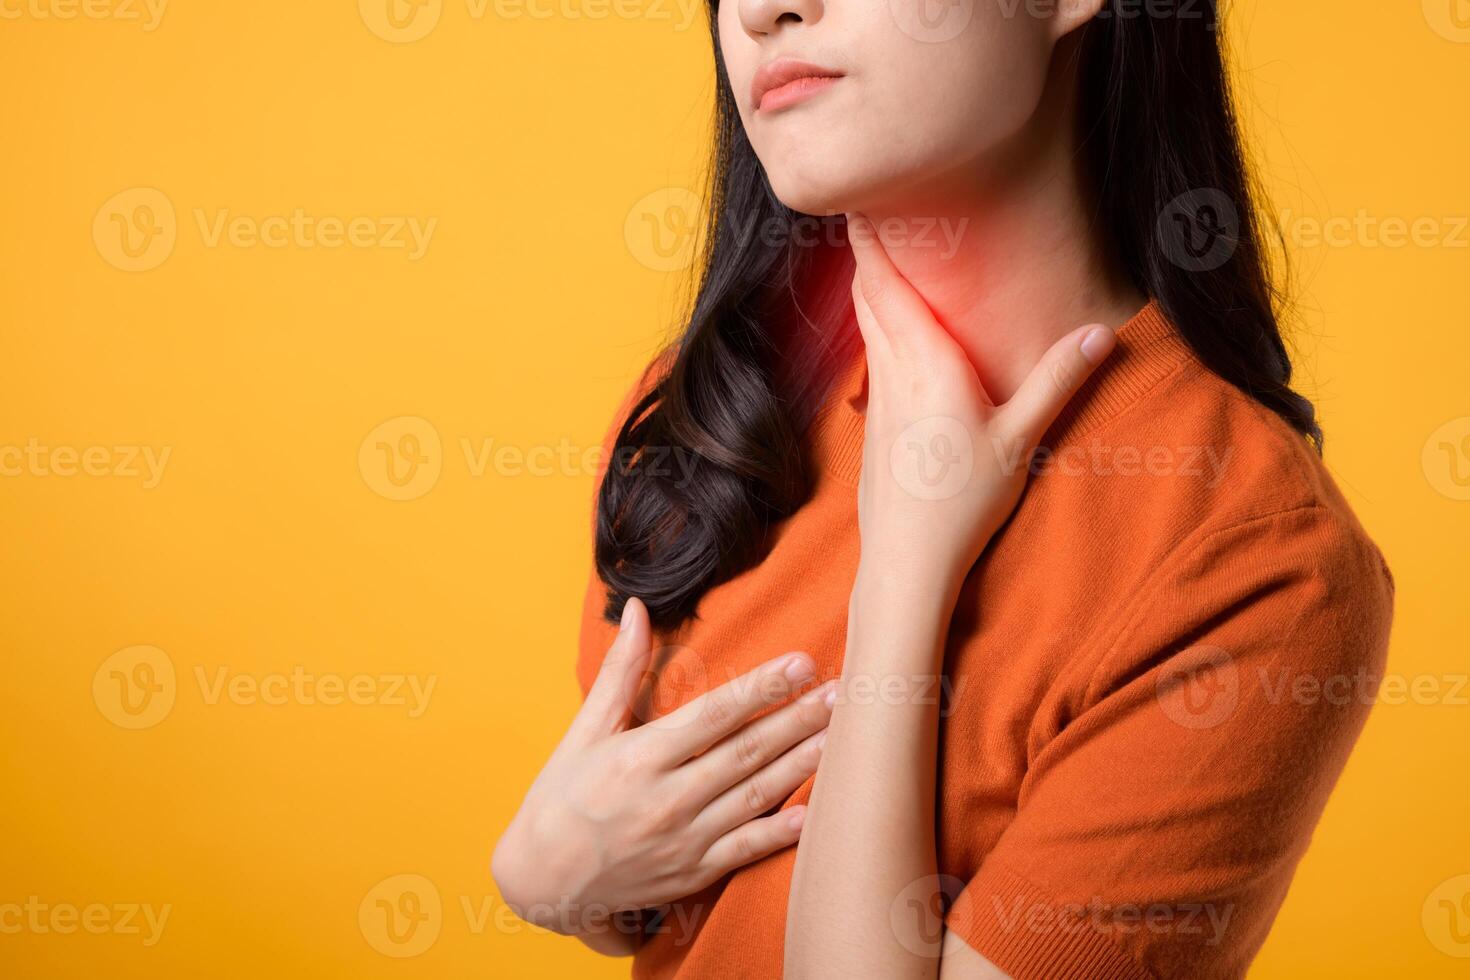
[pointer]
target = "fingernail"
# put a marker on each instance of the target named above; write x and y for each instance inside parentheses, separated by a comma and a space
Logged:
(822, 739)
(1097, 344)
(797, 818)
(798, 670)
(627, 615)
(831, 696)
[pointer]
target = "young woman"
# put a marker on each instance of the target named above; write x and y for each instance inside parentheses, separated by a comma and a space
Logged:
(1085, 630)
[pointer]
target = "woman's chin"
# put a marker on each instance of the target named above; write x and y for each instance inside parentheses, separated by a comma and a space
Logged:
(832, 193)
(806, 198)
(823, 196)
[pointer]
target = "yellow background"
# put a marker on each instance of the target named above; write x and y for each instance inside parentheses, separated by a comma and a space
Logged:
(531, 134)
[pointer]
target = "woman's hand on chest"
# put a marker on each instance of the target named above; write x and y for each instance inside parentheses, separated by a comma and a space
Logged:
(625, 816)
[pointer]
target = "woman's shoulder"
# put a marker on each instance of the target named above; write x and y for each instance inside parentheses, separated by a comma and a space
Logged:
(1243, 521)
(1192, 507)
(1258, 469)
(1168, 444)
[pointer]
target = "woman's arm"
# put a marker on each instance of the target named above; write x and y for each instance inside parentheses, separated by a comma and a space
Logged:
(938, 479)
(869, 839)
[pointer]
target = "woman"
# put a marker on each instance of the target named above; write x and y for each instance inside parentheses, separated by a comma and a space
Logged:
(1086, 631)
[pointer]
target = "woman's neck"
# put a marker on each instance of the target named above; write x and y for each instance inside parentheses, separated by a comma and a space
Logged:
(1011, 268)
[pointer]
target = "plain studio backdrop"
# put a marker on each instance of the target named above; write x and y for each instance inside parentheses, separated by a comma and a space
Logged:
(310, 314)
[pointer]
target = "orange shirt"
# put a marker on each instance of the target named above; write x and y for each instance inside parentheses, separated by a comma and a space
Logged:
(1153, 678)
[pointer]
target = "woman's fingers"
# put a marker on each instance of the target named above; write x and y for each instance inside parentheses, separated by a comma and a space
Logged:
(757, 744)
(752, 841)
(897, 313)
(763, 789)
(610, 702)
(694, 727)
(897, 308)
(1053, 382)
(875, 343)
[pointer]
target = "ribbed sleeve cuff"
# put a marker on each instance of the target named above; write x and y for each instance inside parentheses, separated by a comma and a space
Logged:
(1010, 922)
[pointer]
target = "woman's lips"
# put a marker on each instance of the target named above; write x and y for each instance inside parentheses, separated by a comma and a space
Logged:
(785, 83)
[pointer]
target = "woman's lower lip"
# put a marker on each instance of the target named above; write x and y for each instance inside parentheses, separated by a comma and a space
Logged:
(794, 91)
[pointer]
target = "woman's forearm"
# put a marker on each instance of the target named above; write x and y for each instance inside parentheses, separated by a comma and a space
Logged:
(868, 842)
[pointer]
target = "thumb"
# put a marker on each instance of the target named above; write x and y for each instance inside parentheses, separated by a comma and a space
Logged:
(610, 702)
(1053, 382)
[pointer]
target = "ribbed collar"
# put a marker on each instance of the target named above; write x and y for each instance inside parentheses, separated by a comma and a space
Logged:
(1149, 348)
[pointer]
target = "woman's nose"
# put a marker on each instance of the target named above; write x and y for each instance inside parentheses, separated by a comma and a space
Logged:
(762, 17)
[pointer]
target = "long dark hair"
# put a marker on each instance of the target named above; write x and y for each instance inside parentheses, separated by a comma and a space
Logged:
(734, 392)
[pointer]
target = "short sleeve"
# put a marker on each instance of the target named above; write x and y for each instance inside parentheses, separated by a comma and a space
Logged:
(1155, 836)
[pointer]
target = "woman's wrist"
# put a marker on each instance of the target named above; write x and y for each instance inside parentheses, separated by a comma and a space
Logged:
(910, 588)
(896, 625)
